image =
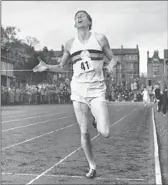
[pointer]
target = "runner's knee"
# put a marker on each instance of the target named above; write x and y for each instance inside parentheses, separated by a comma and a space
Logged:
(105, 133)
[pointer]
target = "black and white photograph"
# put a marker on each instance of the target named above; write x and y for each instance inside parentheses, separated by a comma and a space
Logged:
(84, 92)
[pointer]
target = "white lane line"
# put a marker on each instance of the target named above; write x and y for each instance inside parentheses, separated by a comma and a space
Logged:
(28, 140)
(56, 164)
(113, 124)
(14, 128)
(24, 113)
(73, 176)
(124, 103)
(32, 117)
(158, 177)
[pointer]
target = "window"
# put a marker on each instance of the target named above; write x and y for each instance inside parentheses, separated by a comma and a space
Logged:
(124, 57)
(154, 73)
(131, 65)
(127, 57)
(135, 57)
(155, 67)
(116, 57)
(136, 65)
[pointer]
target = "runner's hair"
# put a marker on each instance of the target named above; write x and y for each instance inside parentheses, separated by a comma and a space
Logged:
(88, 16)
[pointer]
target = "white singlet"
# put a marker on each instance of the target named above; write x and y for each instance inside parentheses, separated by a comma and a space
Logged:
(87, 60)
(145, 95)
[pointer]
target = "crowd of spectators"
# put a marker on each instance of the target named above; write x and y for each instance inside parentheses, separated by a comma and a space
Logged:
(36, 94)
(120, 94)
(59, 93)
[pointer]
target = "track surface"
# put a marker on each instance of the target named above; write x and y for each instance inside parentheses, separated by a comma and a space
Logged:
(41, 145)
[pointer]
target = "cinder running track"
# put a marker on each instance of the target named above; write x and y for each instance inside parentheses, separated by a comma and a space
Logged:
(41, 145)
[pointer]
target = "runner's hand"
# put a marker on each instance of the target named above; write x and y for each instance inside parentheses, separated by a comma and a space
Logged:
(111, 66)
(42, 66)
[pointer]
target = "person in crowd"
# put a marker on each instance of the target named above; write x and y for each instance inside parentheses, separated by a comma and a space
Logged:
(158, 97)
(164, 92)
(145, 96)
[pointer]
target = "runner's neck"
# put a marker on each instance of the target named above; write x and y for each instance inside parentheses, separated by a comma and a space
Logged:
(83, 35)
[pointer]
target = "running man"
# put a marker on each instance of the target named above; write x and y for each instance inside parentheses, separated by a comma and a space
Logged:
(145, 96)
(87, 51)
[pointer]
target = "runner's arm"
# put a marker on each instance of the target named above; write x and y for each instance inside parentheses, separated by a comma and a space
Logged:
(104, 43)
(64, 60)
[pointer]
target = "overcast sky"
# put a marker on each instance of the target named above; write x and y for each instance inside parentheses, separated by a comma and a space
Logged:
(126, 23)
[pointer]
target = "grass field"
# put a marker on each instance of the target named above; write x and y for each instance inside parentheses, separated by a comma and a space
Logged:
(41, 145)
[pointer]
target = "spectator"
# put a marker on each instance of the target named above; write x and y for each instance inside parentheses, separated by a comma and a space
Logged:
(164, 91)
(158, 97)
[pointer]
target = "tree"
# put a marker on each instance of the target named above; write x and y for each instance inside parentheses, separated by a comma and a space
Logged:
(45, 49)
(11, 33)
(31, 41)
(4, 37)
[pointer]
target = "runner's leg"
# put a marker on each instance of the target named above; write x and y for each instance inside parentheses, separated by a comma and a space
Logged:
(100, 111)
(82, 114)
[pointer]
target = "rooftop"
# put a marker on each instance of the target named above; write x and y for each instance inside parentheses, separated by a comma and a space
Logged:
(153, 59)
(120, 51)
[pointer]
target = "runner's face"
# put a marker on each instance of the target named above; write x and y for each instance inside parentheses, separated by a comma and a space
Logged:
(81, 20)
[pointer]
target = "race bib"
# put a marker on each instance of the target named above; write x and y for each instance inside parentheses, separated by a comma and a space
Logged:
(85, 64)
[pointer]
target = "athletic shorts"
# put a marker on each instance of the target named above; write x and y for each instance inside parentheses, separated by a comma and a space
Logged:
(145, 99)
(85, 92)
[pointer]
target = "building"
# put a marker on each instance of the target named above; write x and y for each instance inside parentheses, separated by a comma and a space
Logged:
(128, 64)
(7, 75)
(166, 62)
(155, 68)
(12, 55)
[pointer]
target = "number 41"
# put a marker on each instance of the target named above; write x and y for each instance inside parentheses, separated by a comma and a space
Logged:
(84, 65)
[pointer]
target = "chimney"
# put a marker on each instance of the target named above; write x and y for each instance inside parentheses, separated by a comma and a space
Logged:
(156, 53)
(137, 47)
(147, 55)
(121, 46)
(62, 48)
